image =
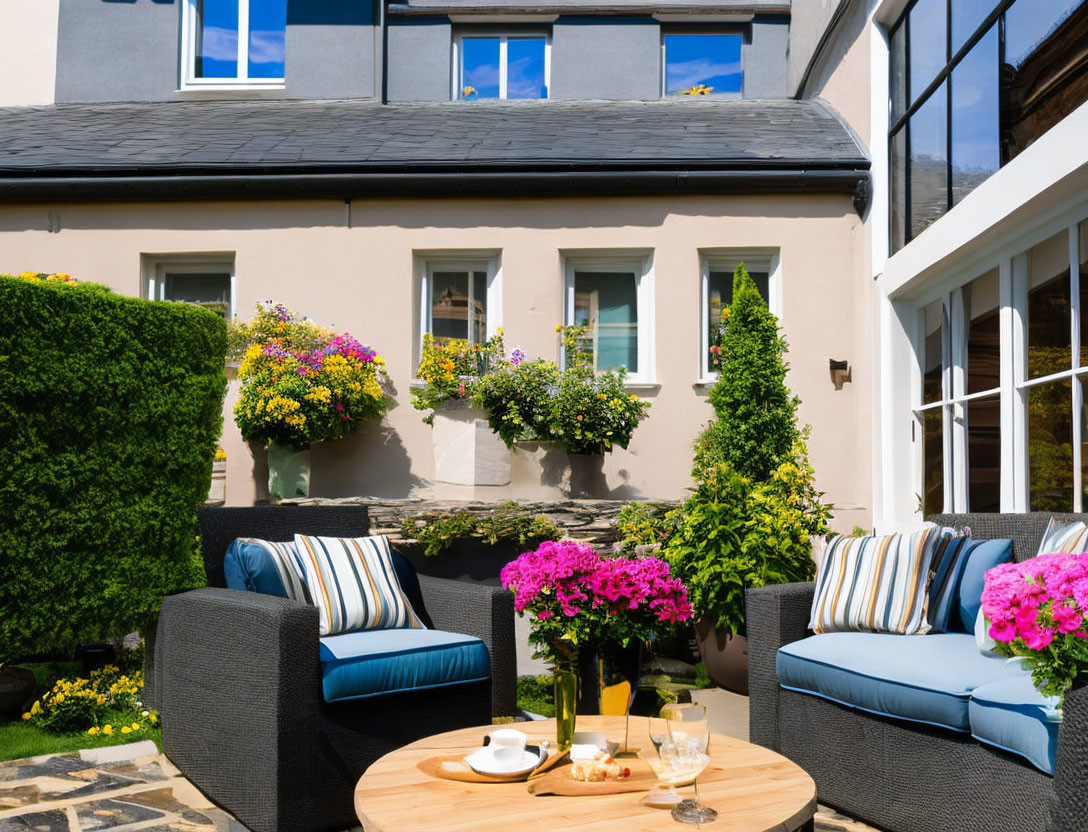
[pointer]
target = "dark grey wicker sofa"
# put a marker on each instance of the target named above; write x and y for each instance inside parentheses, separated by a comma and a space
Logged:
(237, 679)
(905, 776)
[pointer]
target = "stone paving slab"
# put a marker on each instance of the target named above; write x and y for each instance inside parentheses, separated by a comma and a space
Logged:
(63, 793)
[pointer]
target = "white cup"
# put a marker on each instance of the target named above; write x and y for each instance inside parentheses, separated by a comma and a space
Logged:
(507, 745)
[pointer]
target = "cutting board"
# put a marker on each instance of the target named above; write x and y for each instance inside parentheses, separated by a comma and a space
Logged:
(454, 767)
(558, 781)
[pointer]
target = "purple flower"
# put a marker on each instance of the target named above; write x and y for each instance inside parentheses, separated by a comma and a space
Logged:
(516, 357)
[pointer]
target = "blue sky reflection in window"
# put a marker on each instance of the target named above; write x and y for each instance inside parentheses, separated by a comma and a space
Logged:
(481, 67)
(218, 33)
(707, 60)
(525, 68)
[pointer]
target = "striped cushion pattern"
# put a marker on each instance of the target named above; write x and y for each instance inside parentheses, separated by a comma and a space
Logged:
(353, 585)
(876, 584)
(945, 571)
(1065, 538)
(286, 563)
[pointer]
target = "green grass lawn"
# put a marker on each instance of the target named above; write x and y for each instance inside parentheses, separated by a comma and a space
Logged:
(19, 740)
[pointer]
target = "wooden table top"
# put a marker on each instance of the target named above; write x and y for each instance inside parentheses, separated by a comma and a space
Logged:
(753, 789)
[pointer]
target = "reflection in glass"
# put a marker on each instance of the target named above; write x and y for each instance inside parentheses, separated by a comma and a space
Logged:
(967, 16)
(928, 49)
(267, 38)
(1049, 347)
(984, 454)
(899, 72)
(216, 39)
(1082, 391)
(525, 68)
(932, 461)
(459, 305)
(1050, 446)
(1083, 239)
(933, 366)
(929, 162)
(480, 67)
(710, 60)
(981, 305)
(899, 190)
(210, 290)
(1028, 23)
(719, 294)
(976, 122)
(608, 301)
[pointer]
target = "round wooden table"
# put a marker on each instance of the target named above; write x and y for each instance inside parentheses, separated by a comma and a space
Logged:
(753, 789)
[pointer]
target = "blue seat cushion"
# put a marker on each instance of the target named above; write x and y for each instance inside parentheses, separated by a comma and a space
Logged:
(376, 662)
(926, 678)
(1012, 715)
(982, 555)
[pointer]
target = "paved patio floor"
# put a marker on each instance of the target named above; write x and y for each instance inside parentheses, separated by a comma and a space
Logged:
(133, 788)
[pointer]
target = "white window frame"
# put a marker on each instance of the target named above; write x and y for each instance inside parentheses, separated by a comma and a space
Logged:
(458, 73)
(189, 81)
(689, 31)
(155, 267)
(756, 259)
(457, 261)
(1012, 263)
(640, 264)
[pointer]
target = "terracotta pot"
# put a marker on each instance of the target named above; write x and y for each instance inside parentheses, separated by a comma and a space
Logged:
(725, 656)
(16, 689)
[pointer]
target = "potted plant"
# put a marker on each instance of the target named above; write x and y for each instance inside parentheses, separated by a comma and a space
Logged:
(755, 509)
(578, 601)
(16, 688)
(466, 452)
(217, 491)
(302, 383)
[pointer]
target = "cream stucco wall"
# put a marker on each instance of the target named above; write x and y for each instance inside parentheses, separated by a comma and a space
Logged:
(28, 51)
(362, 279)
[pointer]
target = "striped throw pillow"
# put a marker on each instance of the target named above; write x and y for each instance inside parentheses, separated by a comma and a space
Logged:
(1064, 538)
(353, 584)
(945, 572)
(281, 557)
(876, 584)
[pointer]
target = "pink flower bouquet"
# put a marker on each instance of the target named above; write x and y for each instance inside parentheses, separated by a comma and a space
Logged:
(575, 596)
(1035, 610)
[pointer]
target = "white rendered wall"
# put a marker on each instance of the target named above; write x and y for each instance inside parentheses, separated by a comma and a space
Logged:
(28, 51)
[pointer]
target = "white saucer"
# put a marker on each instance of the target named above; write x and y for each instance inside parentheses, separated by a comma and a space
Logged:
(483, 761)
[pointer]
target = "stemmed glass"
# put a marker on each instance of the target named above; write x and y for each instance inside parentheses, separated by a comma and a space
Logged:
(663, 794)
(689, 736)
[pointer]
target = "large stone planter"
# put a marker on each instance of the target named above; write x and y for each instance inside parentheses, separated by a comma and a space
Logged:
(466, 450)
(587, 480)
(540, 471)
(16, 689)
(467, 559)
(725, 656)
(217, 491)
(288, 472)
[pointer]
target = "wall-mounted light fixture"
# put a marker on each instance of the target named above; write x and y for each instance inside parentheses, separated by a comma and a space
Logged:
(840, 372)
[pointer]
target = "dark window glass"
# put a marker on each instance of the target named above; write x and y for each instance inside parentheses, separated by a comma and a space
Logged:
(217, 39)
(933, 366)
(267, 38)
(1083, 235)
(984, 454)
(608, 301)
(981, 304)
(1049, 339)
(480, 67)
(710, 62)
(1050, 446)
(928, 162)
(898, 152)
(459, 305)
(928, 43)
(933, 462)
(719, 294)
(211, 290)
(899, 72)
(967, 16)
(976, 121)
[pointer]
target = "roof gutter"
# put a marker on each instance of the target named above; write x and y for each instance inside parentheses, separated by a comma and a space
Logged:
(343, 185)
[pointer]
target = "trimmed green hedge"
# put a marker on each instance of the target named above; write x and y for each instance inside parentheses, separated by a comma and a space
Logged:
(110, 410)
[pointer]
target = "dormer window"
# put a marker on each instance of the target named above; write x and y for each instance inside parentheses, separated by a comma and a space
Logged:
(703, 64)
(233, 43)
(501, 66)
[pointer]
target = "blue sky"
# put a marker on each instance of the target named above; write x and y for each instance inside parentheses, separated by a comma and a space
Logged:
(713, 60)
(219, 38)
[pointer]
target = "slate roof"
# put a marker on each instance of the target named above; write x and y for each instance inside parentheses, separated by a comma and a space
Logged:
(360, 136)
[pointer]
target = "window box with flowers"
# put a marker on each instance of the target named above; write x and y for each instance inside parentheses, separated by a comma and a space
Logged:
(466, 452)
(301, 383)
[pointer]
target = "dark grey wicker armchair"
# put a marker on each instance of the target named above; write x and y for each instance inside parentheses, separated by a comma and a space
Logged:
(903, 776)
(237, 679)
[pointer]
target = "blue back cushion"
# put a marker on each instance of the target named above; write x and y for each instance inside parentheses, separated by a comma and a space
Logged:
(984, 555)
(248, 566)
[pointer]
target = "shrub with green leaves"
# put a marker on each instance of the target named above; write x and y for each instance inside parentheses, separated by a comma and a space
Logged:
(110, 412)
(751, 520)
(644, 524)
(506, 523)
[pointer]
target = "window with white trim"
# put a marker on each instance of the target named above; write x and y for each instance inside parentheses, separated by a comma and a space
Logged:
(493, 65)
(460, 297)
(233, 43)
(717, 294)
(612, 295)
(1000, 408)
(206, 281)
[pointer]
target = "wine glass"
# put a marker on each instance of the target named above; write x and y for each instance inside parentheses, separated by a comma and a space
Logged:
(689, 738)
(664, 793)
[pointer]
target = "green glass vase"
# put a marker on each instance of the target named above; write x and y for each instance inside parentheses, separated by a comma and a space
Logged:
(566, 703)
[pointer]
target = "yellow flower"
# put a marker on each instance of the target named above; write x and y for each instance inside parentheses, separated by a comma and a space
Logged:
(135, 726)
(498, 330)
(36, 708)
(26, 717)
(126, 730)
(92, 731)
(579, 417)
(558, 327)
(101, 699)
(634, 397)
(59, 699)
(107, 729)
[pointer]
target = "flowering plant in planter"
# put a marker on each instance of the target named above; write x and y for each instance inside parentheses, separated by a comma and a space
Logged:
(451, 368)
(1036, 612)
(302, 384)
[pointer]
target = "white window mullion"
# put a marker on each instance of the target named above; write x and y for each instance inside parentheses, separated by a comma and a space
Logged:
(548, 66)
(1007, 377)
(957, 381)
(243, 40)
(947, 416)
(1077, 398)
(1019, 370)
(503, 76)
